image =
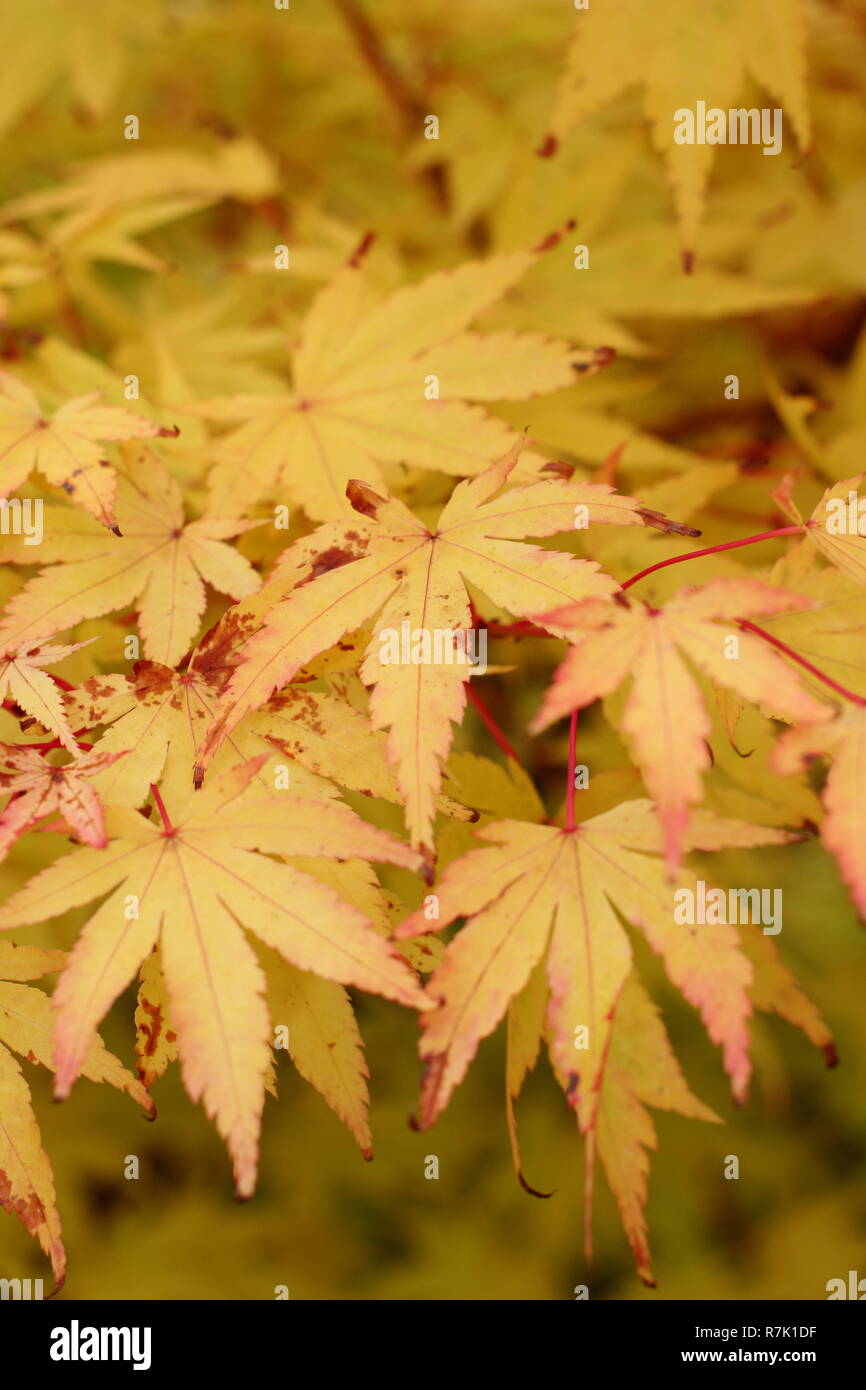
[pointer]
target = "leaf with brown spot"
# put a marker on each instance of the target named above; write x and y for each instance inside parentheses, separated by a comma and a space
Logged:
(416, 576)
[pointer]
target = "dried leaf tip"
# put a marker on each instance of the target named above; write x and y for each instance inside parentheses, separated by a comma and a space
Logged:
(533, 1192)
(664, 523)
(600, 358)
(363, 498)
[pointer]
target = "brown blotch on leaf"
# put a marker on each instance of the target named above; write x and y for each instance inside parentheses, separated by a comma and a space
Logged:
(151, 678)
(217, 655)
(151, 1033)
(331, 559)
(28, 1209)
(548, 147)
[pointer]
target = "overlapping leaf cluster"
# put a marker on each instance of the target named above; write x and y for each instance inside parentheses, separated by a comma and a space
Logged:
(266, 440)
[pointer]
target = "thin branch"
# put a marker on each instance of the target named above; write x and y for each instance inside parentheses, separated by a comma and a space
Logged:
(400, 96)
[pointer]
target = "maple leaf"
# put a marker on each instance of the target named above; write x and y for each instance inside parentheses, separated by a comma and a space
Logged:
(388, 563)
(682, 54)
(26, 1179)
(65, 448)
(827, 531)
(238, 168)
(23, 680)
(324, 1043)
(40, 789)
(539, 892)
(664, 716)
(88, 46)
(641, 1070)
(202, 349)
(161, 717)
(774, 990)
(86, 235)
(360, 372)
(312, 1017)
(188, 885)
(160, 560)
(843, 740)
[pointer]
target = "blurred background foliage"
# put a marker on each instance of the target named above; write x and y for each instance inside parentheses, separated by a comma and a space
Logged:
(327, 101)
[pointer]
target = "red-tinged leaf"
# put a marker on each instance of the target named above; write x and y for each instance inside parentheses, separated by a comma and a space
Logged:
(665, 719)
(40, 789)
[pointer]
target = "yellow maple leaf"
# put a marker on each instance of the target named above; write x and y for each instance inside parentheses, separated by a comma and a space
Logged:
(540, 892)
(389, 564)
(159, 559)
(88, 46)
(683, 54)
(24, 681)
(837, 527)
(380, 381)
(26, 1179)
(187, 884)
(65, 449)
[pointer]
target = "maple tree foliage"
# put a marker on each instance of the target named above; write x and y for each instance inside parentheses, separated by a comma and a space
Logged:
(308, 521)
